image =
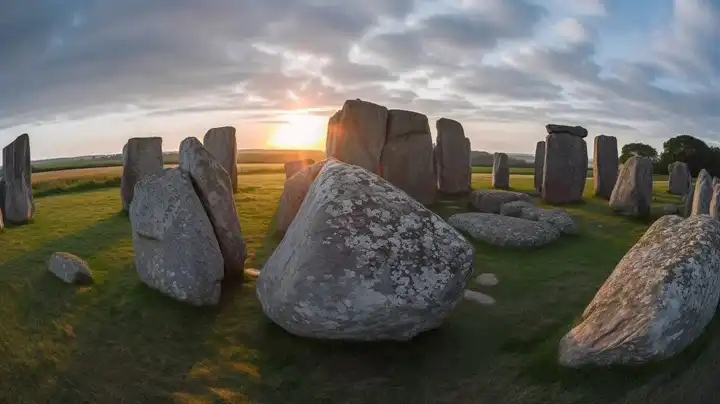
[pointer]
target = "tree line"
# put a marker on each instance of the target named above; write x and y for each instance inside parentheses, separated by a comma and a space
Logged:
(688, 149)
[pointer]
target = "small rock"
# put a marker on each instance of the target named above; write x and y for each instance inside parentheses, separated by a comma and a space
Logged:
(252, 272)
(487, 279)
(670, 210)
(70, 268)
(479, 297)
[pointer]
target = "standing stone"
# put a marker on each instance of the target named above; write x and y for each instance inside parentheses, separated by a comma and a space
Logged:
(578, 131)
(715, 202)
(356, 134)
(19, 206)
(294, 167)
(632, 195)
(501, 171)
(605, 165)
(213, 186)
(539, 165)
(716, 181)
(688, 201)
(452, 157)
(703, 194)
(222, 143)
(141, 156)
(565, 168)
(657, 301)
(363, 261)
(407, 158)
(176, 251)
(293, 195)
(2, 196)
(679, 179)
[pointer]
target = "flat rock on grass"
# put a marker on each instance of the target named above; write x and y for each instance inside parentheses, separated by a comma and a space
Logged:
(486, 279)
(70, 268)
(478, 297)
(558, 218)
(505, 231)
(657, 301)
(492, 200)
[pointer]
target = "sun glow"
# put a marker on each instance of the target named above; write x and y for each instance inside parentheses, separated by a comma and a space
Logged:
(300, 131)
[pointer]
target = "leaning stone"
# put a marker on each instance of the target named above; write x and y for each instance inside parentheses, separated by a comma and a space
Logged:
(505, 231)
(632, 195)
(294, 167)
(578, 131)
(539, 165)
(176, 251)
(679, 180)
(141, 156)
(605, 165)
(70, 268)
(364, 261)
(657, 301)
(703, 194)
(452, 158)
(486, 279)
(293, 195)
(501, 171)
(565, 170)
(19, 205)
(478, 297)
(222, 143)
(407, 158)
(356, 134)
(492, 200)
(214, 187)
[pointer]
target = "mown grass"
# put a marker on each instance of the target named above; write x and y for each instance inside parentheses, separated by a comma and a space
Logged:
(118, 341)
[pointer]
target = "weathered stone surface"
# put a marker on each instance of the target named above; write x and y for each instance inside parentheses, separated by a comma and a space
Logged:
(679, 180)
(578, 131)
(565, 169)
(501, 171)
(70, 268)
(176, 251)
(294, 167)
(716, 181)
(557, 217)
(632, 195)
(539, 165)
(141, 156)
(688, 201)
(520, 208)
(505, 231)
(19, 205)
(2, 196)
(703, 194)
(468, 151)
(492, 200)
(296, 188)
(671, 210)
(452, 157)
(656, 302)
(715, 202)
(407, 158)
(356, 134)
(222, 143)
(364, 261)
(605, 165)
(214, 187)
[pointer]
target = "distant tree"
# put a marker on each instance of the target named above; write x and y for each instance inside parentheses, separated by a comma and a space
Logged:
(690, 150)
(638, 149)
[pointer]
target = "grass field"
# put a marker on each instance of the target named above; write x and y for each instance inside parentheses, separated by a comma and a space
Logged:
(117, 341)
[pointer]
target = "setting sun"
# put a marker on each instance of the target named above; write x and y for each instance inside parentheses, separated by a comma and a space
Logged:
(300, 131)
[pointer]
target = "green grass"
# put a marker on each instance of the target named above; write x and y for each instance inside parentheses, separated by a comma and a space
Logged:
(118, 341)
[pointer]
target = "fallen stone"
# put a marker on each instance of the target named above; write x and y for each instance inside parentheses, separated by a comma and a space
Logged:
(505, 231)
(578, 131)
(632, 195)
(293, 195)
(487, 279)
(363, 261)
(452, 158)
(703, 194)
(176, 250)
(501, 171)
(70, 268)
(19, 205)
(294, 167)
(657, 301)
(671, 210)
(539, 165)
(556, 217)
(605, 165)
(492, 200)
(565, 171)
(141, 156)
(679, 180)
(222, 144)
(356, 134)
(478, 297)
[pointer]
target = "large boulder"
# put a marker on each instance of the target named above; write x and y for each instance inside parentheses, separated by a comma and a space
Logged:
(407, 158)
(176, 251)
(141, 156)
(19, 205)
(605, 165)
(500, 171)
(363, 261)
(492, 200)
(356, 134)
(293, 195)
(557, 217)
(294, 167)
(214, 187)
(452, 158)
(679, 180)
(657, 301)
(565, 168)
(632, 195)
(578, 131)
(539, 165)
(505, 231)
(222, 143)
(70, 268)
(703, 194)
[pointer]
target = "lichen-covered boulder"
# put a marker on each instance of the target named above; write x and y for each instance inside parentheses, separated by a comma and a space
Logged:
(70, 268)
(556, 217)
(632, 195)
(703, 194)
(19, 205)
(141, 156)
(222, 144)
(605, 165)
(492, 200)
(363, 261)
(294, 167)
(500, 171)
(657, 301)
(214, 187)
(679, 180)
(505, 231)
(452, 158)
(356, 134)
(176, 251)
(565, 169)
(293, 195)
(539, 165)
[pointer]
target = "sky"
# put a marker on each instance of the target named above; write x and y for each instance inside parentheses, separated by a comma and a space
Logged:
(83, 76)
